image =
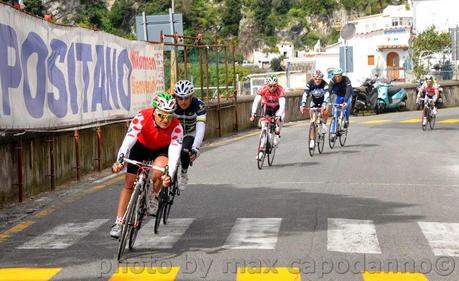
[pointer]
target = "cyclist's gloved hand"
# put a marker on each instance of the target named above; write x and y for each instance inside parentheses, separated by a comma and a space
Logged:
(194, 153)
(166, 180)
(252, 117)
(116, 167)
(302, 109)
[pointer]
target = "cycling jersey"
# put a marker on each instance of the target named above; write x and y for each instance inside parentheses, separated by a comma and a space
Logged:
(144, 130)
(319, 94)
(274, 101)
(342, 89)
(429, 90)
(193, 120)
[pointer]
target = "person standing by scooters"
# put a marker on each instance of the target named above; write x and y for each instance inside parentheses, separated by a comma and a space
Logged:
(340, 85)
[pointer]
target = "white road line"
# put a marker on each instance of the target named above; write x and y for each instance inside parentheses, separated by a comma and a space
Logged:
(167, 236)
(443, 238)
(254, 233)
(63, 236)
(352, 236)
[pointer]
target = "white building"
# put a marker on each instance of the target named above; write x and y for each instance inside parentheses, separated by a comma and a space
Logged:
(380, 44)
(263, 59)
(440, 13)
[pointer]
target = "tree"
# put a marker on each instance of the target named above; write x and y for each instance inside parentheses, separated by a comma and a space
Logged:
(428, 42)
(231, 17)
(276, 64)
(35, 7)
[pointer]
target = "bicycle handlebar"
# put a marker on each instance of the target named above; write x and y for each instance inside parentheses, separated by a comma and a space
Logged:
(142, 164)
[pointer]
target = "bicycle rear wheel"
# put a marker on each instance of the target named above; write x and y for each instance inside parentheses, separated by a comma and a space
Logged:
(272, 149)
(128, 222)
(332, 133)
(426, 116)
(313, 132)
(261, 142)
(139, 214)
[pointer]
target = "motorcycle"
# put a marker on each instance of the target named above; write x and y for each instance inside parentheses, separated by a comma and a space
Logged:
(363, 97)
(389, 97)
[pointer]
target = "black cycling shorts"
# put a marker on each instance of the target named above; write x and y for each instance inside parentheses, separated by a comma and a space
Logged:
(140, 153)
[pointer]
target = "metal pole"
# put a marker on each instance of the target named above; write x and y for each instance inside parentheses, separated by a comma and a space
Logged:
(99, 148)
(226, 72)
(185, 61)
(77, 154)
(207, 74)
(236, 126)
(51, 162)
(201, 73)
(145, 33)
(20, 149)
(218, 96)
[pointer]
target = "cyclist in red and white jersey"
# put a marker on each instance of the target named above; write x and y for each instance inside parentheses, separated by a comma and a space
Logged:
(430, 90)
(272, 97)
(154, 134)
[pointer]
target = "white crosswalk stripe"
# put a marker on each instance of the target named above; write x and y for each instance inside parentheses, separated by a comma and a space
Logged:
(167, 236)
(443, 238)
(254, 233)
(352, 236)
(63, 236)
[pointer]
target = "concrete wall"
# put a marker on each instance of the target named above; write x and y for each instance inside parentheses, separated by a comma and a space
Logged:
(36, 148)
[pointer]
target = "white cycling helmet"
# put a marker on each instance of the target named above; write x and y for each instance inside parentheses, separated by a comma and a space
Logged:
(183, 89)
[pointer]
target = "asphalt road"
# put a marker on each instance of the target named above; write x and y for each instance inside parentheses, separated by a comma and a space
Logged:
(385, 202)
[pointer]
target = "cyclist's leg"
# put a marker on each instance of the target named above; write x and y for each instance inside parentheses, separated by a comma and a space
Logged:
(326, 113)
(159, 159)
(348, 108)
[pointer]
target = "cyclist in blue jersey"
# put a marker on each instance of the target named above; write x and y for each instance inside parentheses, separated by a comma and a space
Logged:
(341, 87)
(191, 111)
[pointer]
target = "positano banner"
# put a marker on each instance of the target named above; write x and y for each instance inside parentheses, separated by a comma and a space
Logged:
(54, 76)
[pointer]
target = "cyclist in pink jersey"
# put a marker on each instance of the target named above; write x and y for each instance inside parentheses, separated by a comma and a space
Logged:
(272, 97)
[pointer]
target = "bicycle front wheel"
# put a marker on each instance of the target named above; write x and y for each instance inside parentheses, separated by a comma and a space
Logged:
(426, 114)
(272, 153)
(312, 137)
(163, 198)
(128, 222)
(332, 133)
(261, 143)
(320, 142)
(433, 118)
(343, 137)
(139, 214)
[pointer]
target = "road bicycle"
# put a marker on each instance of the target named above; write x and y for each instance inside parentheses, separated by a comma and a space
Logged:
(266, 147)
(337, 129)
(315, 131)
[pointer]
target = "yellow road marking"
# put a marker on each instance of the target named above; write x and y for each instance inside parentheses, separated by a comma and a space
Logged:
(27, 274)
(449, 121)
(146, 273)
(15, 229)
(268, 274)
(415, 120)
(393, 276)
(23, 225)
(376, 121)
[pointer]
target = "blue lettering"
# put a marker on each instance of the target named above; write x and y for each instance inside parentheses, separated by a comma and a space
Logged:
(99, 94)
(56, 77)
(84, 55)
(125, 96)
(71, 75)
(34, 44)
(10, 76)
(110, 73)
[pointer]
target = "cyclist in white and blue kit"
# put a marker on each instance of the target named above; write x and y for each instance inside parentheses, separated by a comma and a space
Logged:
(191, 111)
(317, 88)
(341, 87)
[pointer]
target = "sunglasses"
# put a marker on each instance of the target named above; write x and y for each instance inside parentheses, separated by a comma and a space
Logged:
(317, 79)
(185, 98)
(163, 116)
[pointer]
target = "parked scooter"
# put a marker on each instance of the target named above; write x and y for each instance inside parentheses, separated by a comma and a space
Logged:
(389, 97)
(362, 97)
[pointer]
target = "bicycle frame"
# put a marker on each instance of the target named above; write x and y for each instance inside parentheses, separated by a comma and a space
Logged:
(338, 113)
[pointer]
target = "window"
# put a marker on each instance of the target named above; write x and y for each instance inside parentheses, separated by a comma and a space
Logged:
(371, 60)
(395, 21)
